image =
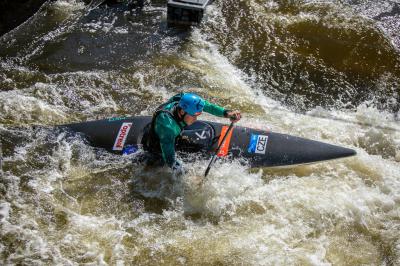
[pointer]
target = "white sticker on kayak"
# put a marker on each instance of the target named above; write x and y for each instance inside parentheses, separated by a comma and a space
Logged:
(258, 144)
(121, 137)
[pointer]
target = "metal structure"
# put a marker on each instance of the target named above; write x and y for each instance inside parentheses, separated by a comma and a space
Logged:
(186, 12)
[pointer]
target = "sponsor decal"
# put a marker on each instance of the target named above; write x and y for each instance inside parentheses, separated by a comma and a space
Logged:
(121, 137)
(112, 119)
(130, 149)
(203, 134)
(223, 151)
(258, 144)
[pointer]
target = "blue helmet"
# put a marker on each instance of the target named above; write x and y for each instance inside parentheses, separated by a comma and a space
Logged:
(192, 104)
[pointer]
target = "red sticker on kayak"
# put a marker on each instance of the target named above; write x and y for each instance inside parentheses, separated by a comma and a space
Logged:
(223, 151)
(121, 137)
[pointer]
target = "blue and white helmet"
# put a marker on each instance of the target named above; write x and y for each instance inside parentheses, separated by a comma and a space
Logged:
(192, 104)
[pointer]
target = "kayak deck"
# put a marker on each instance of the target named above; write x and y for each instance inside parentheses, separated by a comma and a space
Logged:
(259, 147)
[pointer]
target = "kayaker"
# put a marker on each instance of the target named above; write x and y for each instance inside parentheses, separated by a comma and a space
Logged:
(169, 120)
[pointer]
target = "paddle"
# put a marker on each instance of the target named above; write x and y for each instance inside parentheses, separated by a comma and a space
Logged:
(219, 147)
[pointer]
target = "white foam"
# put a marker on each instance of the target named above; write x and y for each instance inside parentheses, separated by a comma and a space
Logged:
(23, 108)
(4, 211)
(219, 193)
(68, 5)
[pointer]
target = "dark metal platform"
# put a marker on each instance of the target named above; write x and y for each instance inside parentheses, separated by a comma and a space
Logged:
(186, 12)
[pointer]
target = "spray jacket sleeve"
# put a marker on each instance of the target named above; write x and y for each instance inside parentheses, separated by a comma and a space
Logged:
(167, 130)
(213, 109)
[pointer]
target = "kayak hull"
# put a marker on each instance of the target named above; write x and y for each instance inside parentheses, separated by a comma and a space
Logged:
(259, 148)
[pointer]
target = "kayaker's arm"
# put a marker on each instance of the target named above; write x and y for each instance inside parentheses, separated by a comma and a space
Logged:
(213, 109)
(217, 110)
(167, 131)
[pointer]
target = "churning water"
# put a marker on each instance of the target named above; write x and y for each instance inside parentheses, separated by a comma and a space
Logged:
(324, 70)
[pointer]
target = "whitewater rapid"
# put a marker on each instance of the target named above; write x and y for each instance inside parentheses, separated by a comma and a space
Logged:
(65, 202)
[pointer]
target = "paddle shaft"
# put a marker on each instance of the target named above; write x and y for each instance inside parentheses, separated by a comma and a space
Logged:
(219, 147)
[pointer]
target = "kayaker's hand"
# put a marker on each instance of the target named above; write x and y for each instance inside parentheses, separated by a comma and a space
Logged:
(177, 169)
(234, 116)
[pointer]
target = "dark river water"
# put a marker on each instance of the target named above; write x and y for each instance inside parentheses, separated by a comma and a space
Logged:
(323, 70)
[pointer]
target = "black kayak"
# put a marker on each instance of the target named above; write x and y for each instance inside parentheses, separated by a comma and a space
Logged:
(259, 148)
